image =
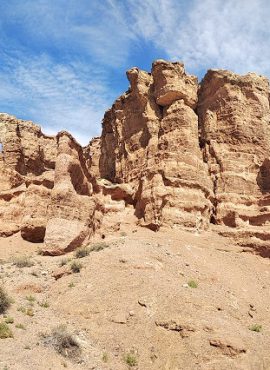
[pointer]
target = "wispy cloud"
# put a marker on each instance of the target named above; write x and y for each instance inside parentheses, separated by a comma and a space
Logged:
(57, 96)
(232, 34)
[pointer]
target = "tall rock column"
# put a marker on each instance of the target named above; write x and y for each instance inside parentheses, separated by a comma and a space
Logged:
(72, 208)
(234, 120)
(150, 140)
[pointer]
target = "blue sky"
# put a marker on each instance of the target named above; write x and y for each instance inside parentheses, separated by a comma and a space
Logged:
(63, 62)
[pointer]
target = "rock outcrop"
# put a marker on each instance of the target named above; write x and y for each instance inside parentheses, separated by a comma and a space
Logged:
(155, 148)
(172, 152)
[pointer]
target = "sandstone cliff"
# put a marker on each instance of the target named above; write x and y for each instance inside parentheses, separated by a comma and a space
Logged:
(172, 152)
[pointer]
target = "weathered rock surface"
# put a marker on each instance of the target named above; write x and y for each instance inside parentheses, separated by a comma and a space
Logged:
(156, 149)
(172, 151)
(234, 120)
(27, 161)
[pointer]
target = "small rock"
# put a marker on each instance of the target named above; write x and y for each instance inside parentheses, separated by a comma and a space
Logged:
(120, 318)
(61, 271)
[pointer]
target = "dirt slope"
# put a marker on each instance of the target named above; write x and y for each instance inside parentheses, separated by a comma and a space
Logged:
(130, 306)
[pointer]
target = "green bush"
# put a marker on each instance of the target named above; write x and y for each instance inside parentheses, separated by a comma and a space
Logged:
(131, 359)
(192, 284)
(257, 328)
(98, 247)
(64, 342)
(4, 301)
(5, 331)
(23, 261)
(9, 320)
(82, 252)
(76, 266)
(20, 326)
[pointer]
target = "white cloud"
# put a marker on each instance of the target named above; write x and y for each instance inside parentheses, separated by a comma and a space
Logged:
(59, 97)
(231, 34)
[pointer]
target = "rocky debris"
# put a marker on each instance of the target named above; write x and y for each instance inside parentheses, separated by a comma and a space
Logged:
(174, 325)
(120, 318)
(229, 347)
(172, 153)
(61, 271)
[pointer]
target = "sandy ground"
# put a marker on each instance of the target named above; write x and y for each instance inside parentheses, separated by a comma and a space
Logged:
(131, 306)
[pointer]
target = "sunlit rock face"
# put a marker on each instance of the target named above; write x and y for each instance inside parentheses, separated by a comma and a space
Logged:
(172, 153)
(150, 136)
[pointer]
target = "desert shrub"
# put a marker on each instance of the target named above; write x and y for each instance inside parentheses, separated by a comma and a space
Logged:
(63, 342)
(131, 359)
(82, 252)
(9, 320)
(192, 284)
(105, 357)
(98, 247)
(30, 298)
(63, 262)
(5, 331)
(5, 301)
(255, 327)
(76, 266)
(29, 312)
(23, 261)
(44, 304)
(21, 309)
(20, 326)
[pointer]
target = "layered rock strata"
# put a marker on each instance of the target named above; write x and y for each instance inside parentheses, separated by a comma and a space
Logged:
(150, 141)
(172, 152)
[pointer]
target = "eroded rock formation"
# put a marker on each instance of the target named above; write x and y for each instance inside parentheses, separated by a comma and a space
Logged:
(172, 152)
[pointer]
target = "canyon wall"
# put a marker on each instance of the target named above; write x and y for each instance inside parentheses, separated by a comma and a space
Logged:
(173, 152)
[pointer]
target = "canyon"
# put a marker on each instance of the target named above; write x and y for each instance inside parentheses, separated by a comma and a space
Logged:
(149, 247)
(173, 153)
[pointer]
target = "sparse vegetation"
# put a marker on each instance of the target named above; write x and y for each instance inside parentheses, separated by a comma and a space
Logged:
(76, 266)
(131, 359)
(63, 342)
(44, 304)
(20, 326)
(105, 357)
(82, 252)
(24, 261)
(30, 298)
(39, 252)
(63, 262)
(98, 247)
(256, 327)
(5, 331)
(21, 309)
(5, 301)
(71, 285)
(9, 320)
(192, 284)
(29, 312)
